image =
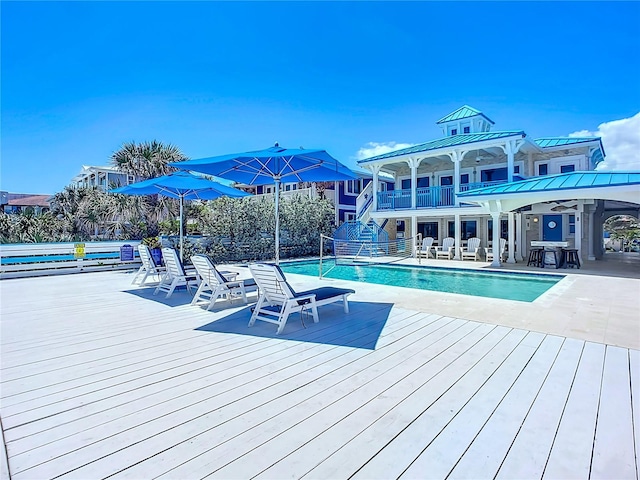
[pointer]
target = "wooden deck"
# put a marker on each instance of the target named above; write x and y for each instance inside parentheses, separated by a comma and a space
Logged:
(103, 379)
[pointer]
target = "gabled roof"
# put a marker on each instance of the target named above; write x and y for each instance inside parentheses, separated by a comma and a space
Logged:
(30, 201)
(451, 141)
(463, 112)
(562, 181)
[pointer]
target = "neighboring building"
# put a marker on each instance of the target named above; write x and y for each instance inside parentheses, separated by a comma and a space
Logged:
(24, 202)
(102, 177)
(473, 178)
(343, 194)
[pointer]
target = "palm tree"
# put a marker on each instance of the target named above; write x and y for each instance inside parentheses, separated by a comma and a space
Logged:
(146, 159)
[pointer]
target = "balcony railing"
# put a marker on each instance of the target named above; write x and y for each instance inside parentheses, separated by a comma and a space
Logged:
(426, 197)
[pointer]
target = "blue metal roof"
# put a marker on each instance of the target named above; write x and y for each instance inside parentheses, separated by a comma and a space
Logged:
(562, 181)
(562, 141)
(451, 141)
(463, 112)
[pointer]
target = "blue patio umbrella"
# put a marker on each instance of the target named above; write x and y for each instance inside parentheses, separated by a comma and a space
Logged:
(272, 166)
(183, 186)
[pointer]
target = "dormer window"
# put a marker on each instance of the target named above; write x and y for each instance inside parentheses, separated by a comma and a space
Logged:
(454, 131)
(466, 130)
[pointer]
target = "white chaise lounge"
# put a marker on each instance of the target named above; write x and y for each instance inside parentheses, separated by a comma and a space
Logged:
(278, 300)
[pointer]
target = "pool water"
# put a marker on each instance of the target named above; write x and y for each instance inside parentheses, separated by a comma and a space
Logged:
(524, 287)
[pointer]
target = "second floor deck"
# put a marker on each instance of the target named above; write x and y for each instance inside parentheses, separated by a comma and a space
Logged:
(426, 197)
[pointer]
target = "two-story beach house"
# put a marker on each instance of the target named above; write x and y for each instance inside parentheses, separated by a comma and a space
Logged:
(103, 177)
(478, 182)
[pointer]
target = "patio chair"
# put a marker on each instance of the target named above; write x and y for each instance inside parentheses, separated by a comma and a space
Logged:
(446, 249)
(175, 275)
(215, 284)
(425, 249)
(472, 250)
(503, 248)
(278, 300)
(148, 267)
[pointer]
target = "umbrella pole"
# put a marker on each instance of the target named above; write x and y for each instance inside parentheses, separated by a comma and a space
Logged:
(277, 194)
(181, 239)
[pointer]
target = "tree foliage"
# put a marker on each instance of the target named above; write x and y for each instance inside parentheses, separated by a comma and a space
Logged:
(146, 159)
(623, 227)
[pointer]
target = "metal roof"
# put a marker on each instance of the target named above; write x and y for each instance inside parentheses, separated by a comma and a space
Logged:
(562, 181)
(451, 141)
(463, 112)
(562, 141)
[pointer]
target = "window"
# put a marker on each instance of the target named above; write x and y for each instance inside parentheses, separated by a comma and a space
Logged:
(572, 224)
(504, 229)
(446, 180)
(349, 216)
(493, 174)
(543, 168)
(287, 188)
(454, 131)
(464, 178)
(516, 169)
(423, 182)
(353, 186)
(400, 225)
(567, 168)
(406, 184)
(466, 129)
(468, 229)
(428, 229)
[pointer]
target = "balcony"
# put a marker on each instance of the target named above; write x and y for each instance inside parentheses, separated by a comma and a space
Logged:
(426, 197)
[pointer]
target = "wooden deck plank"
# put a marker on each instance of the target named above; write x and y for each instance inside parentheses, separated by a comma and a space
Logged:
(324, 444)
(100, 378)
(493, 377)
(284, 411)
(351, 455)
(634, 369)
(440, 456)
(613, 449)
(187, 421)
(528, 454)
(570, 455)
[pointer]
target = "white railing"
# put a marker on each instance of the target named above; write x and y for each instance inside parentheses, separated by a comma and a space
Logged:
(32, 259)
(364, 203)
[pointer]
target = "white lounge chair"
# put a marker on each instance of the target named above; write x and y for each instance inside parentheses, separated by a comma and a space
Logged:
(503, 248)
(472, 250)
(425, 249)
(148, 267)
(215, 284)
(278, 300)
(175, 275)
(446, 249)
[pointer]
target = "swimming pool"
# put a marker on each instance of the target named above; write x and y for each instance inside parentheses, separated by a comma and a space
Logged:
(524, 287)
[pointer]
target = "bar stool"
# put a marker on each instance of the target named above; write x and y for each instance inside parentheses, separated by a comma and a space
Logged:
(536, 257)
(571, 258)
(550, 258)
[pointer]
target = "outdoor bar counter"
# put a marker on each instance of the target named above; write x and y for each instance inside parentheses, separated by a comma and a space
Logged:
(552, 254)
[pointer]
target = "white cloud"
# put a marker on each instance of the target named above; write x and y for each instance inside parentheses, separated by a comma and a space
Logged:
(372, 149)
(621, 142)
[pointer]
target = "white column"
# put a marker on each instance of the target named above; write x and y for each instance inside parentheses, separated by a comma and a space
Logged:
(512, 246)
(456, 177)
(374, 188)
(510, 148)
(458, 244)
(414, 181)
(519, 237)
(579, 230)
(414, 232)
(591, 235)
(495, 241)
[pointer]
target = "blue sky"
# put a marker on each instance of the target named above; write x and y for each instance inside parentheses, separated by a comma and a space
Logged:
(81, 78)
